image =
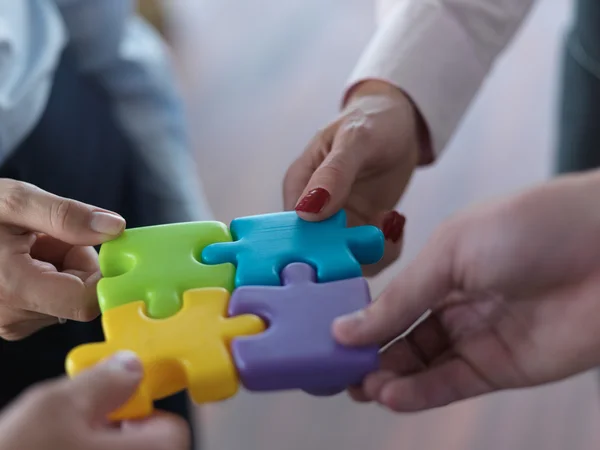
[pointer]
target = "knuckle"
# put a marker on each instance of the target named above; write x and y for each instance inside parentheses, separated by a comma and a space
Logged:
(88, 314)
(356, 127)
(60, 212)
(336, 172)
(14, 197)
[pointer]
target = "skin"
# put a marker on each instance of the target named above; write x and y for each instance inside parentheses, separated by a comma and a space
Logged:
(70, 414)
(513, 290)
(504, 295)
(365, 159)
(48, 266)
(49, 271)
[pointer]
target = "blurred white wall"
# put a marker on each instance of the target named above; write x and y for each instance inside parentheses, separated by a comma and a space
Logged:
(260, 77)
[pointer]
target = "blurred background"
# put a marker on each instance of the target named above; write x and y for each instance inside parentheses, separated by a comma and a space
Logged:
(259, 78)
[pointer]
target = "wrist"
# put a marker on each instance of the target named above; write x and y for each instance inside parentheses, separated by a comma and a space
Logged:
(381, 88)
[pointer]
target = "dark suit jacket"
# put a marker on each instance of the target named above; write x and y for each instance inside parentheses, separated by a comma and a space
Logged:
(579, 114)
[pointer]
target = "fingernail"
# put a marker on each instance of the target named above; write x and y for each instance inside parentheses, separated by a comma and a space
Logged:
(106, 223)
(314, 201)
(393, 226)
(350, 320)
(127, 361)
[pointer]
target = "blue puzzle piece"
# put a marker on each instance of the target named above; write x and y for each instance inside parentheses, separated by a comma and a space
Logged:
(263, 245)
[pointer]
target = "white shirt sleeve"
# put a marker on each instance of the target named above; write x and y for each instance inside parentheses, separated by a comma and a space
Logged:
(439, 53)
(31, 41)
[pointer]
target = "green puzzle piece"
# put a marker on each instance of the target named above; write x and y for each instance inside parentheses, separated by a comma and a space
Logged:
(158, 264)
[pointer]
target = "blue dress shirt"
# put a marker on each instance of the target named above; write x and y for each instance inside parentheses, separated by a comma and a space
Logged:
(111, 43)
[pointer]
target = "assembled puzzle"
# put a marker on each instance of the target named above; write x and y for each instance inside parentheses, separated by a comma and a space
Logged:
(206, 307)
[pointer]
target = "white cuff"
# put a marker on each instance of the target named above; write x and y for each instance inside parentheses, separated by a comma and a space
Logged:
(424, 51)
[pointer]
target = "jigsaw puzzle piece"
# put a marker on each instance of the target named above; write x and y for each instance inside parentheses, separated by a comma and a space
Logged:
(298, 350)
(84, 357)
(263, 245)
(158, 264)
(187, 350)
(365, 243)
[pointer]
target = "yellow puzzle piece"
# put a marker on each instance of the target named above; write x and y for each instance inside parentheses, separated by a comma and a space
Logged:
(189, 349)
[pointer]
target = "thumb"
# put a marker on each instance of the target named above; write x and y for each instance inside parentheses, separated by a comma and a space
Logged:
(329, 186)
(410, 295)
(27, 206)
(107, 386)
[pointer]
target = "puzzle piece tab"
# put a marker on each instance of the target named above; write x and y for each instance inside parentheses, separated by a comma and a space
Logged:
(189, 349)
(263, 245)
(157, 264)
(298, 350)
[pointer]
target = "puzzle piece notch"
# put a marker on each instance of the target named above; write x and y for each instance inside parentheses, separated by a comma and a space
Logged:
(263, 245)
(189, 349)
(158, 264)
(298, 350)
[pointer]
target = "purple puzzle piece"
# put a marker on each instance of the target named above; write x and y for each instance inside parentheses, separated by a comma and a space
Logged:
(298, 351)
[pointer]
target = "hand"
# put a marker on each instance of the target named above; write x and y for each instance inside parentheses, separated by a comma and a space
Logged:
(71, 414)
(514, 294)
(361, 162)
(48, 266)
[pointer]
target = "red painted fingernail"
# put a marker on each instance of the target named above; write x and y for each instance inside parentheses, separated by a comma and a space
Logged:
(314, 201)
(393, 226)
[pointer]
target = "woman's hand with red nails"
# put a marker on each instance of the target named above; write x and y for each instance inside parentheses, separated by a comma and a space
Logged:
(513, 294)
(361, 162)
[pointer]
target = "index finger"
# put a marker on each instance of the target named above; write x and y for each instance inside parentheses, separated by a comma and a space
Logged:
(301, 170)
(27, 206)
(296, 179)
